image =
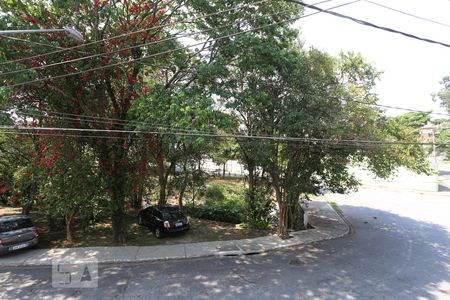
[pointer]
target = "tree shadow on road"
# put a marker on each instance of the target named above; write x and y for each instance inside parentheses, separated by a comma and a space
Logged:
(444, 181)
(388, 256)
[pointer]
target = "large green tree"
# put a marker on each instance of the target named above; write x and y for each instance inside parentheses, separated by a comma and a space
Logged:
(444, 94)
(103, 92)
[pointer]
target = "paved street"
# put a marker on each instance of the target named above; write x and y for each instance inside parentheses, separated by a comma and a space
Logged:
(400, 250)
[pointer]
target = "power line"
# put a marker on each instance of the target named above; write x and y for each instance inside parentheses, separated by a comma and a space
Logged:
(173, 50)
(316, 147)
(77, 118)
(408, 14)
(365, 23)
(109, 121)
(30, 42)
(240, 136)
(298, 144)
(134, 32)
(398, 108)
(106, 54)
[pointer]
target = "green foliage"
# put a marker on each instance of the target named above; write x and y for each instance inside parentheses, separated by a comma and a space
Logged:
(258, 205)
(444, 137)
(222, 202)
(444, 94)
(215, 193)
(414, 120)
(223, 212)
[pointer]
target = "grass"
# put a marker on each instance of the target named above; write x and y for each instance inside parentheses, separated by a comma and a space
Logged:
(101, 233)
(335, 206)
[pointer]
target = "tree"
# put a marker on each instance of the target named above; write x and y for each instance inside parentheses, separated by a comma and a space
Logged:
(71, 183)
(414, 120)
(278, 90)
(105, 92)
(444, 97)
(444, 94)
(224, 151)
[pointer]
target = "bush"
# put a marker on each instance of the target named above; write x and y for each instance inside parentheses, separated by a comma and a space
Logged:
(220, 212)
(215, 192)
(223, 202)
(258, 207)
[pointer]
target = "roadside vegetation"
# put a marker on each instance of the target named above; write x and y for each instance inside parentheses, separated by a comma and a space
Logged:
(92, 141)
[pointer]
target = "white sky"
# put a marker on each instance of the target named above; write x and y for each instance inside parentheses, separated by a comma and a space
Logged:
(412, 69)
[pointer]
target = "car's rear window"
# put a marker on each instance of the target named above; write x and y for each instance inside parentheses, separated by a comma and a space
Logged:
(172, 214)
(15, 225)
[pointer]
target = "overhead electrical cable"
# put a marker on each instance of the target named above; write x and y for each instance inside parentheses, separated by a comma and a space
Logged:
(152, 43)
(30, 42)
(294, 145)
(135, 32)
(173, 50)
(407, 14)
(78, 119)
(242, 136)
(365, 23)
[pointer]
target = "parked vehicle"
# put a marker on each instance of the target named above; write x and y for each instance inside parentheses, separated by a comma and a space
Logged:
(17, 232)
(163, 220)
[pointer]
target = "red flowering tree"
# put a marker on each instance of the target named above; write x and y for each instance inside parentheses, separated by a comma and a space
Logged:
(119, 33)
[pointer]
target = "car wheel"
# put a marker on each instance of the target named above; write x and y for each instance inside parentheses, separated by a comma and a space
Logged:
(158, 233)
(140, 220)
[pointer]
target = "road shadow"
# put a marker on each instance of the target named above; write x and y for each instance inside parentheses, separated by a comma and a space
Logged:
(444, 181)
(388, 257)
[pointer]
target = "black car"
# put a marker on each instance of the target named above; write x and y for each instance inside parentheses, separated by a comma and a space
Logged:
(17, 232)
(163, 220)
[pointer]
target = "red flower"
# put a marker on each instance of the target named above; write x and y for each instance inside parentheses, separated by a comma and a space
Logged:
(135, 8)
(49, 173)
(78, 93)
(70, 157)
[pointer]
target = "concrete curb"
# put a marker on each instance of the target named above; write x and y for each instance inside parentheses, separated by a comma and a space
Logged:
(328, 224)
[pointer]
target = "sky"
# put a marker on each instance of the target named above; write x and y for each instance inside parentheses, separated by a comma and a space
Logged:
(411, 69)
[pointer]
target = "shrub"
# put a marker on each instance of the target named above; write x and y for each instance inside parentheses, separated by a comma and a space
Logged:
(222, 202)
(219, 212)
(215, 192)
(258, 206)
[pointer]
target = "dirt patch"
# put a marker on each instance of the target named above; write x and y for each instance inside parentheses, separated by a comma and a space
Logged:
(101, 234)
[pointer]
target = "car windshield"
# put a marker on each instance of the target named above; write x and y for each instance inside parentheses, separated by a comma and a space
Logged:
(172, 214)
(15, 225)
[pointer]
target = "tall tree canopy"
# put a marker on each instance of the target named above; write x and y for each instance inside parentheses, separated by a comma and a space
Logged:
(136, 72)
(444, 94)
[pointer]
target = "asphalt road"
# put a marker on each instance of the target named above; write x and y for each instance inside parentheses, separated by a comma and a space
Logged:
(400, 250)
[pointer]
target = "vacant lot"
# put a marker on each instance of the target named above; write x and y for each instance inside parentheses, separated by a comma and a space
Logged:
(100, 234)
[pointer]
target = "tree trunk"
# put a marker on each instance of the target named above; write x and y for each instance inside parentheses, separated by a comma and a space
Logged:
(27, 208)
(283, 221)
(251, 188)
(283, 214)
(69, 221)
(162, 181)
(118, 187)
(223, 169)
(137, 198)
(193, 196)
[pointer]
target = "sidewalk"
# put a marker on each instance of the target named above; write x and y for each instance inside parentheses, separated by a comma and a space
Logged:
(326, 222)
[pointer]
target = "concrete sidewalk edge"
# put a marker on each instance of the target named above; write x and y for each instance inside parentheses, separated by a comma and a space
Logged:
(328, 224)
